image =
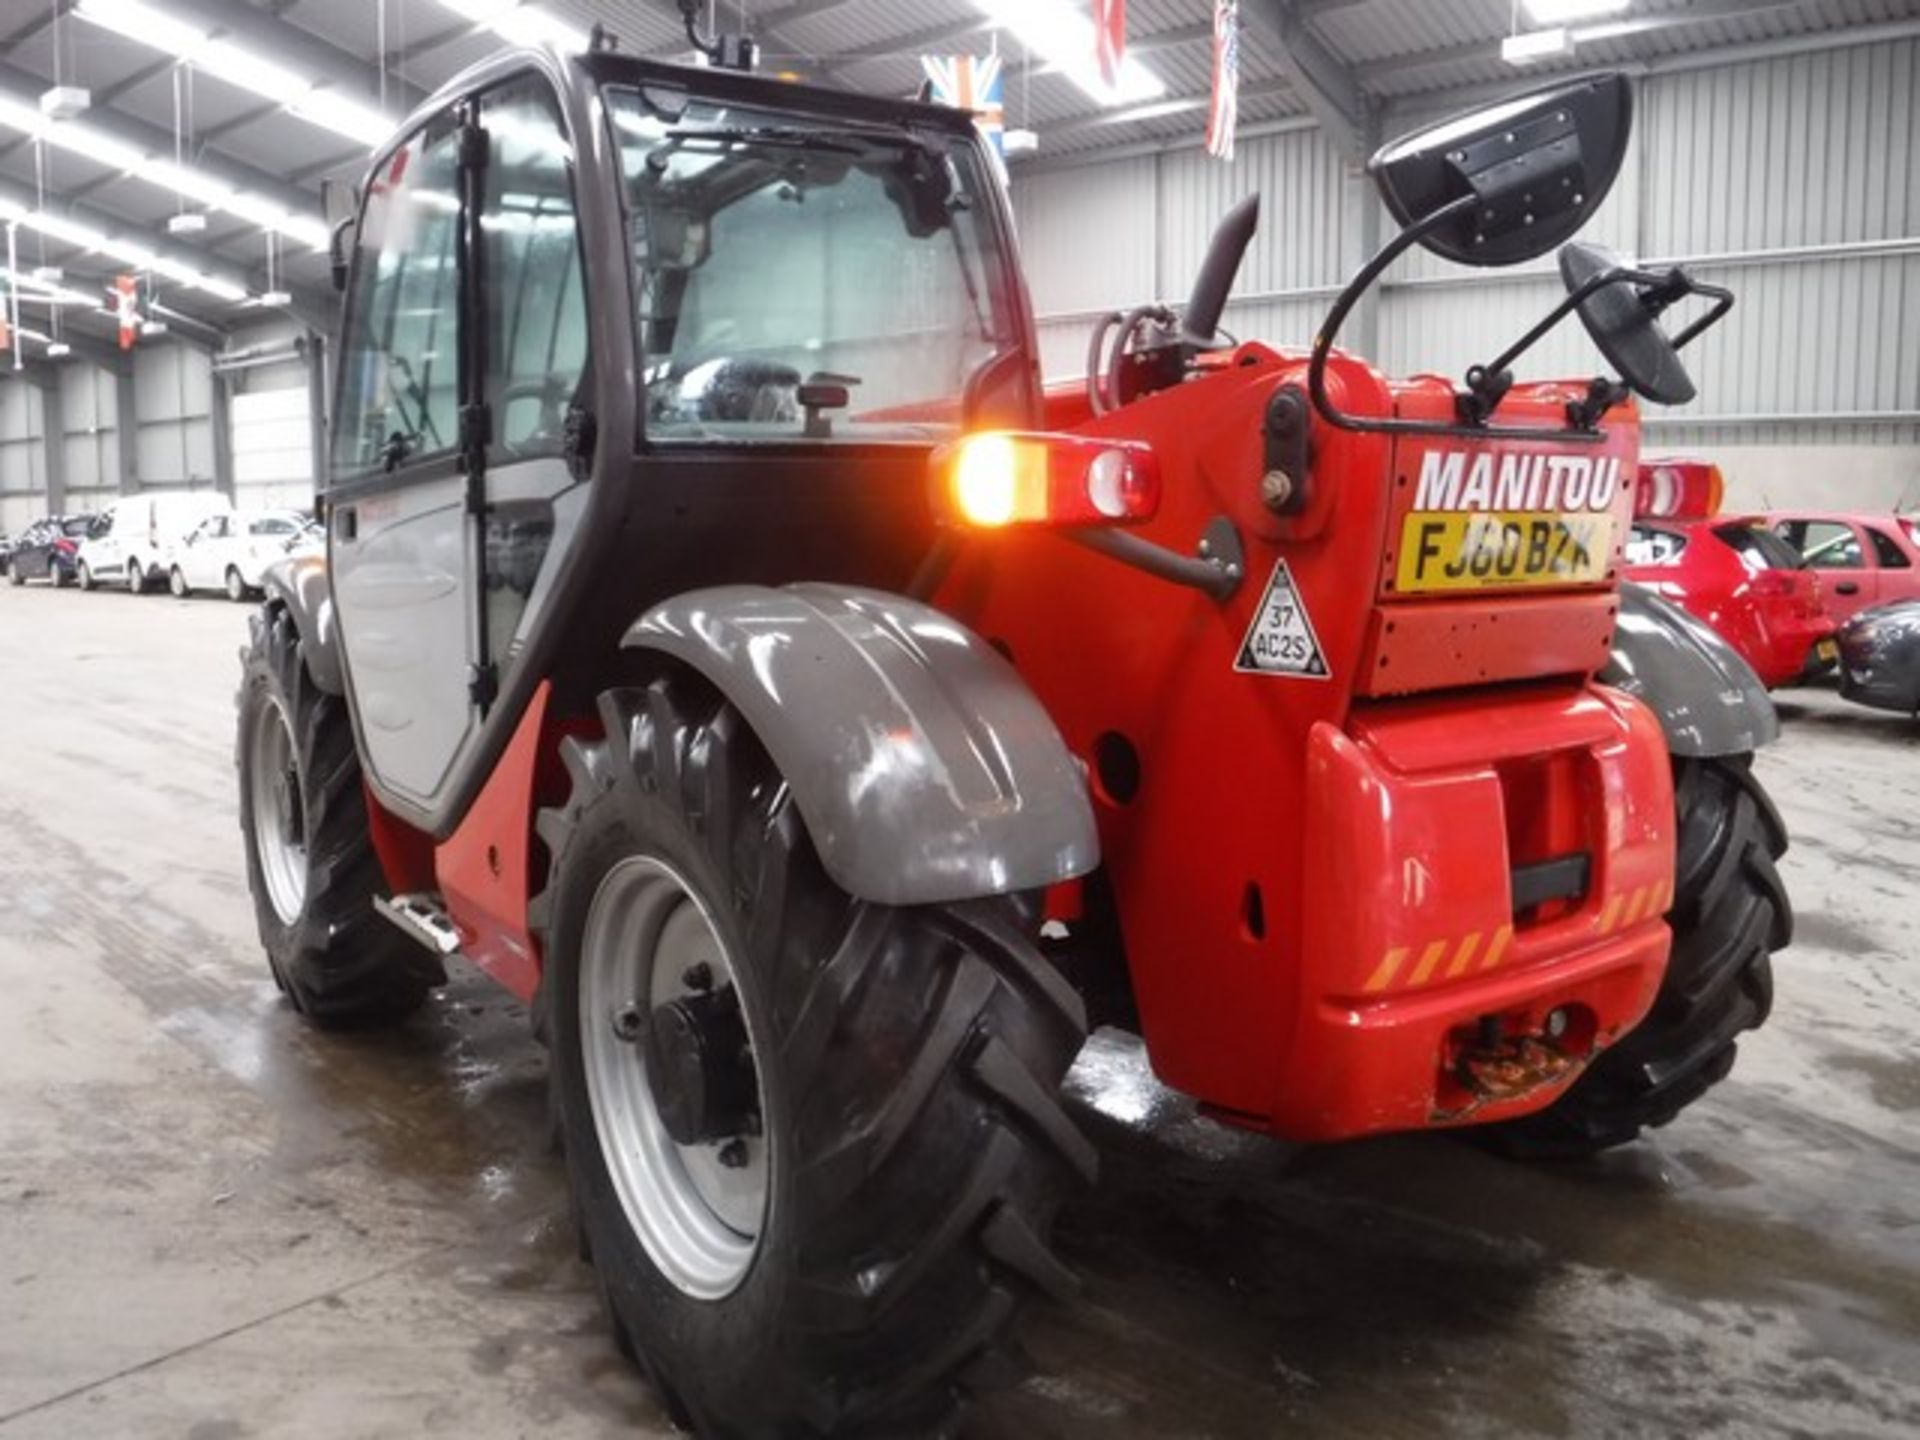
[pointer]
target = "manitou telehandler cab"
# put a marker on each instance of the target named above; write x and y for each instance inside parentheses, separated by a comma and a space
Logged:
(725, 641)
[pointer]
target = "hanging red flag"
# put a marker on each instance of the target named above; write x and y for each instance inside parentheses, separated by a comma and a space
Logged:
(1223, 113)
(126, 308)
(1110, 37)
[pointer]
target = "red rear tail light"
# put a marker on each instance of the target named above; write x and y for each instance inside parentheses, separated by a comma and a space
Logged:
(1001, 478)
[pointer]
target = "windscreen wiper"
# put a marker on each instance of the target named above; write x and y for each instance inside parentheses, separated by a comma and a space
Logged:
(794, 137)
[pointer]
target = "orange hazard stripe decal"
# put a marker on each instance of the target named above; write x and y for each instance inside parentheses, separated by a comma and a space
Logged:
(1428, 967)
(1389, 966)
(1498, 948)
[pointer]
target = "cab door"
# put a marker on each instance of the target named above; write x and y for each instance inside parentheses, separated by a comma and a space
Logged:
(402, 533)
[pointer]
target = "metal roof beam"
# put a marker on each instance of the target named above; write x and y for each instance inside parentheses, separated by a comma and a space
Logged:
(1315, 74)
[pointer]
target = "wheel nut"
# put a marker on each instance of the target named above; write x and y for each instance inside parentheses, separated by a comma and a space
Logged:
(698, 977)
(733, 1154)
(626, 1022)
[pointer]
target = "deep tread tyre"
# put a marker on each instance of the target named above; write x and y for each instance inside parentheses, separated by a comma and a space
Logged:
(909, 1060)
(340, 963)
(1730, 914)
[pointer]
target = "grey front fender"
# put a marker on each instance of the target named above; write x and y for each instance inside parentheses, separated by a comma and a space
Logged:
(300, 584)
(1708, 699)
(924, 768)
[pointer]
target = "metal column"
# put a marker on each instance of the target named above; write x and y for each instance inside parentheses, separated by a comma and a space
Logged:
(126, 423)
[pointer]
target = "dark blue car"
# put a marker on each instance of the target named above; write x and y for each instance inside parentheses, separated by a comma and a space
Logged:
(1880, 657)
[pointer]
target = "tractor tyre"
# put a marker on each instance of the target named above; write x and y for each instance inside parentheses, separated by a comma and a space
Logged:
(310, 859)
(819, 1216)
(1730, 913)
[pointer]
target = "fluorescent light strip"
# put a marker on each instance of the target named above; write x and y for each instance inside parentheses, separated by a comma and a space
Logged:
(127, 252)
(1062, 35)
(519, 24)
(318, 105)
(164, 174)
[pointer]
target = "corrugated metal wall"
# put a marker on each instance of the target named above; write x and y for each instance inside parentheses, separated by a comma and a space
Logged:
(1795, 181)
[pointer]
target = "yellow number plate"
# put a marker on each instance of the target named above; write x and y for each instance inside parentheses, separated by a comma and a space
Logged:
(1477, 550)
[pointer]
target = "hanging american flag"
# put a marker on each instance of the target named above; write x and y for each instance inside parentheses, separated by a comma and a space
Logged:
(969, 82)
(1110, 37)
(1224, 113)
(126, 308)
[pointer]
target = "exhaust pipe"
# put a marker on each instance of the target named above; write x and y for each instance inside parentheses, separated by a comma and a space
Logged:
(1215, 281)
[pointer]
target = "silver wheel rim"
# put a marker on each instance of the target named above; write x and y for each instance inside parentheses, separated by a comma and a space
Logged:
(235, 590)
(179, 584)
(133, 577)
(699, 1219)
(274, 800)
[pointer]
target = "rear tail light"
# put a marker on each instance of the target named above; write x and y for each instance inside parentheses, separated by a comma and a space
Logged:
(1001, 478)
(1675, 489)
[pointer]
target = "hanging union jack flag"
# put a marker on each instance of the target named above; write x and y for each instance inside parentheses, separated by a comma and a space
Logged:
(1224, 113)
(1110, 37)
(967, 82)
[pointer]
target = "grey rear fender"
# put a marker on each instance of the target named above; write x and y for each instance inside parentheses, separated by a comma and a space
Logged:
(300, 584)
(1708, 699)
(925, 769)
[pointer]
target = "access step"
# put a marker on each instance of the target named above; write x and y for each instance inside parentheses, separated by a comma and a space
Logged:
(424, 918)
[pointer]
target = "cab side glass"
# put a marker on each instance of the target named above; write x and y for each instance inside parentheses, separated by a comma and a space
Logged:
(399, 379)
(536, 308)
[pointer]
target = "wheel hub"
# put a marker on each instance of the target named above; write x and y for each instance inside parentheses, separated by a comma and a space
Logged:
(700, 1068)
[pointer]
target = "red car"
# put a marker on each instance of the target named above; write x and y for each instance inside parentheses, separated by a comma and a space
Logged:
(1743, 580)
(1862, 560)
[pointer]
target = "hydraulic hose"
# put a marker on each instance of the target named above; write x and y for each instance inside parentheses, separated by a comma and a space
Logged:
(1097, 362)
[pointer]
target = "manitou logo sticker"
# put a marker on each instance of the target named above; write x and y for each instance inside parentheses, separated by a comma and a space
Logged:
(1281, 640)
(1458, 480)
(1482, 520)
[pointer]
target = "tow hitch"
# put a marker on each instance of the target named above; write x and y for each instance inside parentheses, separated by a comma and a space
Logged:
(1494, 1063)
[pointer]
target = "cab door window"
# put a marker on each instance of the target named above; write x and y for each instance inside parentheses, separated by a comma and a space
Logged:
(399, 392)
(533, 313)
(534, 292)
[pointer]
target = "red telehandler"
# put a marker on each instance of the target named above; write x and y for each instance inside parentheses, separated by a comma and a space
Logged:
(727, 643)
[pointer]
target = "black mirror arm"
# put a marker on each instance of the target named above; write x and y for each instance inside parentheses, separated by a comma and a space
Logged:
(1722, 302)
(1343, 306)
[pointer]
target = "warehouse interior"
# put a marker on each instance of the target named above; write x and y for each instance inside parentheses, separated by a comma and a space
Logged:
(1772, 147)
(218, 1222)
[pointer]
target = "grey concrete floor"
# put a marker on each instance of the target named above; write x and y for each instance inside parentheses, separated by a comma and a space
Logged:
(216, 1224)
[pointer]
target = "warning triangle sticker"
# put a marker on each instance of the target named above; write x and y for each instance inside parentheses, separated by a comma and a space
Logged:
(1281, 640)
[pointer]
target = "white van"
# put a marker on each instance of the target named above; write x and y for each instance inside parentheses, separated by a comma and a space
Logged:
(133, 537)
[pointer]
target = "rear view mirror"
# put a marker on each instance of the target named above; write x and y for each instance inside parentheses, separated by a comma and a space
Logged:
(1537, 166)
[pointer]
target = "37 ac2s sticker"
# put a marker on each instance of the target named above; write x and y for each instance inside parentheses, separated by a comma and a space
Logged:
(1281, 641)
